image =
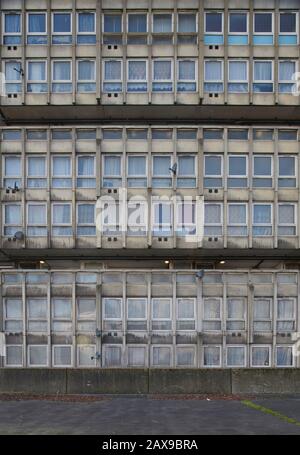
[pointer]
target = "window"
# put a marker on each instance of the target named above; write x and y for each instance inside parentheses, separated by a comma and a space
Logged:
(213, 171)
(137, 76)
(162, 23)
(211, 314)
(284, 356)
(137, 28)
(136, 134)
(61, 219)
(86, 135)
(112, 177)
(263, 76)
(13, 315)
(136, 314)
(36, 172)
(236, 356)
(186, 80)
(61, 135)
(213, 219)
(62, 355)
(86, 355)
(162, 218)
(12, 171)
(112, 308)
(13, 76)
(12, 29)
(12, 219)
(86, 219)
(263, 29)
(37, 314)
(61, 28)
(186, 218)
(211, 356)
(61, 76)
(213, 134)
(158, 134)
(287, 171)
(287, 69)
(286, 219)
(262, 315)
(237, 171)
(161, 356)
(112, 356)
(213, 76)
(213, 28)
(86, 76)
(186, 173)
(237, 220)
(38, 355)
(112, 134)
(238, 76)
(187, 28)
(86, 177)
(237, 135)
(161, 314)
(86, 314)
(286, 314)
(262, 171)
(11, 135)
(36, 219)
(36, 135)
(61, 171)
(86, 28)
(14, 355)
(262, 135)
(186, 134)
(112, 27)
(185, 318)
(236, 313)
(262, 220)
(260, 356)
(287, 135)
(61, 314)
(162, 76)
(185, 356)
(136, 171)
(288, 26)
(161, 174)
(238, 28)
(137, 218)
(37, 77)
(112, 72)
(37, 28)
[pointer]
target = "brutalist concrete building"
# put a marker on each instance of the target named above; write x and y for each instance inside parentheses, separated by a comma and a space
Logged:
(149, 182)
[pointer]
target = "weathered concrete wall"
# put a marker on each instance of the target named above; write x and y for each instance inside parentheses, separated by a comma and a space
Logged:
(33, 380)
(143, 381)
(265, 380)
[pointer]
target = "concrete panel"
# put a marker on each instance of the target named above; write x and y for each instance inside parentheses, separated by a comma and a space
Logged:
(266, 381)
(107, 381)
(189, 381)
(32, 380)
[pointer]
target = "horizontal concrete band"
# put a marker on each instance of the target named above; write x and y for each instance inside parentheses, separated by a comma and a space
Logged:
(143, 381)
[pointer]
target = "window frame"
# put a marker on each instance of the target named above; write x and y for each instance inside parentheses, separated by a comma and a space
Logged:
(13, 177)
(214, 81)
(187, 81)
(112, 13)
(252, 347)
(85, 81)
(53, 356)
(247, 22)
(28, 33)
(281, 176)
(4, 33)
(205, 22)
(112, 81)
(85, 177)
(137, 13)
(163, 81)
(14, 365)
(288, 81)
(263, 81)
(240, 224)
(171, 349)
(46, 364)
(228, 319)
(78, 33)
(238, 176)
(296, 33)
(262, 177)
(34, 81)
(90, 225)
(244, 346)
(264, 33)
(36, 319)
(293, 319)
(45, 177)
(61, 81)
(103, 302)
(218, 320)
(246, 81)
(160, 13)
(6, 318)
(219, 224)
(108, 176)
(33, 203)
(293, 357)
(11, 225)
(54, 225)
(137, 81)
(265, 320)
(270, 225)
(53, 33)
(61, 177)
(203, 355)
(157, 226)
(293, 225)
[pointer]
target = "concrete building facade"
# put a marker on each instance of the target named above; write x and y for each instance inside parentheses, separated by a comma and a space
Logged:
(149, 184)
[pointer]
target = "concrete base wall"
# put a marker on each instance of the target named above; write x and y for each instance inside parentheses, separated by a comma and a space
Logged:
(143, 381)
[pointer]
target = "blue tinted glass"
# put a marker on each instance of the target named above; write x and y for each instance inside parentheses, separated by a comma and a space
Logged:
(137, 23)
(62, 22)
(238, 23)
(287, 23)
(263, 23)
(37, 23)
(213, 39)
(238, 40)
(12, 23)
(263, 39)
(112, 23)
(86, 22)
(213, 22)
(287, 39)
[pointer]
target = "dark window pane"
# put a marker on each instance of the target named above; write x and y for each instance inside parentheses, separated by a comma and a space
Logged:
(238, 23)
(213, 134)
(186, 134)
(11, 135)
(263, 23)
(35, 135)
(241, 135)
(262, 135)
(137, 23)
(161, 134)
(61, 134)
(86, 134)
(136, 134)
(112, 134)
(287, 135)
(287, 23)
(214, 22)
(112, 23)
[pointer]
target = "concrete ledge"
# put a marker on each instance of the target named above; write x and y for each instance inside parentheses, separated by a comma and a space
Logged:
(143, 381)
(107, 381)
(189, 381)
(33, 380)
(265, 380)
